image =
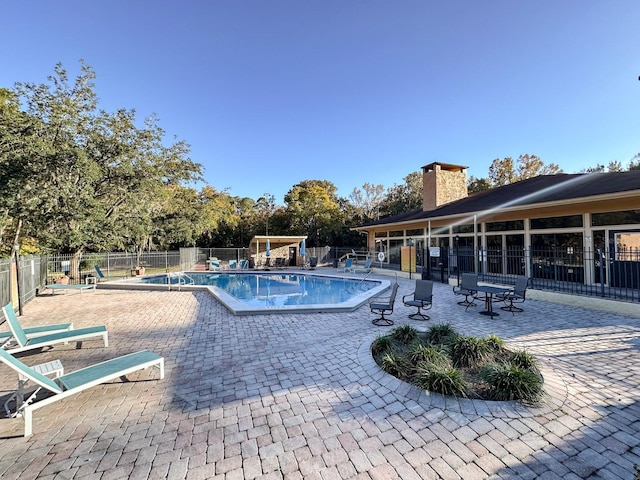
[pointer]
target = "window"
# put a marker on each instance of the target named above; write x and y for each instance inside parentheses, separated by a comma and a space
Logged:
(625, 217)
(505, 226)
(569, 221)
(468, 228)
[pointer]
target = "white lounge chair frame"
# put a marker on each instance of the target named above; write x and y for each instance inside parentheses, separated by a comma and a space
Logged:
(36, 331)
(21, 342)
(75, 382)
(364, 269)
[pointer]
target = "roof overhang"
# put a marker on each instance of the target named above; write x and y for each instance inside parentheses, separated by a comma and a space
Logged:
(479, 215)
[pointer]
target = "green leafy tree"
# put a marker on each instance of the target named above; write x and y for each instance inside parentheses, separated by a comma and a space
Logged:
(313, 210)
(96, 180)
(475, 185)
(405, 197)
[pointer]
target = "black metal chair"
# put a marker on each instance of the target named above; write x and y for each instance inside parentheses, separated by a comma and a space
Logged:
(422, 298)
(515, 296)
(380, 306)
(467, 288)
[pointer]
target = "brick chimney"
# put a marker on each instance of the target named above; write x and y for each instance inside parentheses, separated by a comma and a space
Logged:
(442, 183)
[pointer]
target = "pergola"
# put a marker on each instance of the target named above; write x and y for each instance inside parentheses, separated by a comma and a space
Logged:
(258, 244)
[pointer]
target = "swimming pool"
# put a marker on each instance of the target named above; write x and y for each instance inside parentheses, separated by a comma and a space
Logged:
(270, 292)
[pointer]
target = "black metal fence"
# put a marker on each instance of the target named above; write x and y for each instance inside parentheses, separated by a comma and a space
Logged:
(609, 273)
(612, 273)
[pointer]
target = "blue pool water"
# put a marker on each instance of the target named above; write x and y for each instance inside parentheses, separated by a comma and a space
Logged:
(250, 293)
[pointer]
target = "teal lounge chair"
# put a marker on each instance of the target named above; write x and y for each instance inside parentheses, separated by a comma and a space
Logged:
(22, 342)
(366, 268)
(74, 382)
(35, 331)
(348, 266)
(244, 264)
(214, 264)
(71, 286)
(102, 277)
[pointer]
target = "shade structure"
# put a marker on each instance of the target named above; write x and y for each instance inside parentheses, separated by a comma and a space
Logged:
(268, 248)
(303, 248)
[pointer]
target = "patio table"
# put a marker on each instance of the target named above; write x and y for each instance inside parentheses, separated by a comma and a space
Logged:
(489, 291)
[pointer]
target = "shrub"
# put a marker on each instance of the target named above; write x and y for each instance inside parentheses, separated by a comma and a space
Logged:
(494, 343)
(523, 360)
(441, 333)
(468, 351)
(405, 334)
(443, 380)
(433, 354)
(393, 363)
(508, 381)
(381, 345)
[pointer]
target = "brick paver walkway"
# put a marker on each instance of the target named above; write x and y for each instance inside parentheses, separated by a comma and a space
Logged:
(298, 396)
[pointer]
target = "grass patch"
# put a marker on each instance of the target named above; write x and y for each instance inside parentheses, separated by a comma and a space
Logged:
(440, 360)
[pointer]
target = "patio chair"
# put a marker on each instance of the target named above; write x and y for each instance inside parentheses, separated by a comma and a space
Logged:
(244, 264)
(467, 288)
(233, 264)
(382, 306)
(347, 267)
(21, 342)
(71, 383)
(214, 264)
(422, 298)
(515, 296)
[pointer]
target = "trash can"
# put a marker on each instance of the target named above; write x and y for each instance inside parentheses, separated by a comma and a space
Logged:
(335, 263)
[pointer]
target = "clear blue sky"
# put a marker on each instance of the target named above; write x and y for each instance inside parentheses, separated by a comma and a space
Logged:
(271, 92)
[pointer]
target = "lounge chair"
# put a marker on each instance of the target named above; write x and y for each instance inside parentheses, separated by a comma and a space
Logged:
(233, 264)
(244, 264)
(422, 298)
(366, 268)
(103, 278)
(36, 331)
(75, 382)
(347, 267)
(71, 286)
(22, 342)
(467, 288)
(214, 263)
(517, 295)
(382, 306)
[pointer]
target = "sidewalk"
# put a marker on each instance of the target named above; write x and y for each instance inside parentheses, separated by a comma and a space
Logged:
(298, 396)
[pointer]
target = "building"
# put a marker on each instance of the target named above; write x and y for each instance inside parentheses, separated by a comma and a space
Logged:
(581, 228)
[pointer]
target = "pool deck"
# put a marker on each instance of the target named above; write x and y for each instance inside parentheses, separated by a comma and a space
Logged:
(297, 396)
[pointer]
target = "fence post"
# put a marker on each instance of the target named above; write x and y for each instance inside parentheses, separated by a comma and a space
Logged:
(601, 271)
(16, 249)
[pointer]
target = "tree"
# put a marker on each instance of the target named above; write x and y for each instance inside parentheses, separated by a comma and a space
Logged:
(266, 205)
(503, 172)
(90, 179)
(405, 197)
(312, 208)
(475, 185)
(366, 202)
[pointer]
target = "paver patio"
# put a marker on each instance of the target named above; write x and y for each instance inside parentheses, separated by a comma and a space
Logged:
(298, 396)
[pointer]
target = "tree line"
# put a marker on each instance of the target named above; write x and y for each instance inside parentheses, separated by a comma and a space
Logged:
(75, 178)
